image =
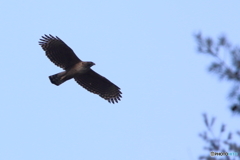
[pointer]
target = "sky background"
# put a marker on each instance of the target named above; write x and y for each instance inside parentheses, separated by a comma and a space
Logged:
(147, 48)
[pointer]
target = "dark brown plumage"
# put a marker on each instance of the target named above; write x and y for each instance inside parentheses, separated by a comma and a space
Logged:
(63, 56)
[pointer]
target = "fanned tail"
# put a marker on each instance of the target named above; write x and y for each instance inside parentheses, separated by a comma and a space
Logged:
(58, 78)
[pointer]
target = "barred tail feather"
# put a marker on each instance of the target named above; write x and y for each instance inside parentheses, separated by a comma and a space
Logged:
(58, 78)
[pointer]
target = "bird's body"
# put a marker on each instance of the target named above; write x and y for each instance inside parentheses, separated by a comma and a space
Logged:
(63, 56)
(77, 69)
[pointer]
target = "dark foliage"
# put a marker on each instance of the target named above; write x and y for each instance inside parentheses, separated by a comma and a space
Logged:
(226, 64)
(221, 143)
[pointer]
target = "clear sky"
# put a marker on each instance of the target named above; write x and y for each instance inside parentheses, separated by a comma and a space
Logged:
(145, 47)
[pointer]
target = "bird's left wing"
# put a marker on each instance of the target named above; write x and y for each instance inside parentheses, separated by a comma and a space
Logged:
(58, 52)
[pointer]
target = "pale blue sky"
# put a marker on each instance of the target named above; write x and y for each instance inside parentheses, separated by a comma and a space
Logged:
(145, 47)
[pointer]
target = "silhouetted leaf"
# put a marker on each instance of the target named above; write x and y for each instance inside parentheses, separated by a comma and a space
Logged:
(212, 122)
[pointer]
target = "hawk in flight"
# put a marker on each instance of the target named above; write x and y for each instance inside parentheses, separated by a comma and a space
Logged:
(63, 56)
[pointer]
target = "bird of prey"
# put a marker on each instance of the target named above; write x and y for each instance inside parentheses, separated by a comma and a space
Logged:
(63, 56)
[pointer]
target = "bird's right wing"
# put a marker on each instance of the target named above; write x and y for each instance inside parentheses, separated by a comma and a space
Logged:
(100, 85)
(58, 52)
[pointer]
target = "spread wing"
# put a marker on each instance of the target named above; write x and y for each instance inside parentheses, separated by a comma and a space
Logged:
(98, 84)
(58, 52)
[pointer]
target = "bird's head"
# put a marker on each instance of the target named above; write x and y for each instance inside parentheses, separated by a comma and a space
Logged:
(89, 64)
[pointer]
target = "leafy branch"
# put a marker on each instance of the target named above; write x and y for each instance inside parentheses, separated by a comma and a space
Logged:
(217, 143)
(226, 63)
